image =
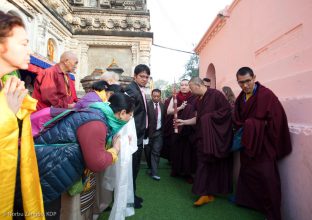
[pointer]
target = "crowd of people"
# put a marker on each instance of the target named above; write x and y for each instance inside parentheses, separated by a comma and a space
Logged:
(68, 158)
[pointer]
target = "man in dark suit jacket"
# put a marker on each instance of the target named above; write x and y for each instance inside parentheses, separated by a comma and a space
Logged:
(156, 113)
(136, 91)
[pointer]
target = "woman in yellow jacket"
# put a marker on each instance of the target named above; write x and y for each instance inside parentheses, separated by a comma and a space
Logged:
(15, 128)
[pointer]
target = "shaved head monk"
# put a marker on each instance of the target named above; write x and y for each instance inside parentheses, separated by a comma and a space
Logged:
(53, 85)
(214, 137)
(265, 139)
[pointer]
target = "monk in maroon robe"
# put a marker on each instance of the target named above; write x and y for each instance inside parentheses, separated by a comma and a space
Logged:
(53, 86)
(168, 133)
(214, 137)
(265, 139)
(183, 155)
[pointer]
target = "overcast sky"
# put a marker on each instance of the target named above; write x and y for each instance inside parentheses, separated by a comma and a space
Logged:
(178, 24)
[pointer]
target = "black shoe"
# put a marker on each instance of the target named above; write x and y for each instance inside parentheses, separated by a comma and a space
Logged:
(149, 172)
(137, 204)
(137, 198)
(107, 209)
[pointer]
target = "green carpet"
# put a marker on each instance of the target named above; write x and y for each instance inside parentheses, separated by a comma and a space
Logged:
(172, 199)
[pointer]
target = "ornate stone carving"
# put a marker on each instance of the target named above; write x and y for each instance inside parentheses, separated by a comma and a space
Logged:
(93, 3)
(145, 46)
(66, 18)
(96, 19)
(72, 44)
(23, 4)
(137, 24)
(137, 5)
(109, 23)
(145, 51)
(123, 24)
(54, 3)
(96, 42)
(89, 21)
(76, 21)
(42, 27)
(69, 18)
(41, 34)
(134, 51)
(78, 2)
(57, 32)
(105, 4)
(61, 11)
(83, 22)
(83, 61)
(96, 23)
(129, 5)
(59, 6)
(140, 4)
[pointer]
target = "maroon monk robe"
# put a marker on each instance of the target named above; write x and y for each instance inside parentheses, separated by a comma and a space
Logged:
(168, 132)
(52, 88)
(214, 137)
(265, 139)
(184, 148)
(183, 152)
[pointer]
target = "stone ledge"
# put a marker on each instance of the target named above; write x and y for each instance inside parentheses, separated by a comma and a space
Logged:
(114, 33)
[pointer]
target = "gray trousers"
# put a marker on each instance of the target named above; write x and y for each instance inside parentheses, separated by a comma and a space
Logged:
(156, 143)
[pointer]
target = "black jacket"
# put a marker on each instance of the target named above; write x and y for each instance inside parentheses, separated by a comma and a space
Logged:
(139, 113)
(152, 117)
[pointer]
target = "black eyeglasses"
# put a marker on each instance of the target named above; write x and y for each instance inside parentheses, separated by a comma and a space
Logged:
(242, 82)
(143, 76)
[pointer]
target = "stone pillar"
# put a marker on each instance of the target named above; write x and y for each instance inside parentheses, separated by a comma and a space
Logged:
(83, 64)
(145, 57)
(41, 36)
(135, 54)
(145, 51)
(73, 45)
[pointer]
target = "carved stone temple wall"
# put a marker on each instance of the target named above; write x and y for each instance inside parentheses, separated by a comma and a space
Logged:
(97, 30)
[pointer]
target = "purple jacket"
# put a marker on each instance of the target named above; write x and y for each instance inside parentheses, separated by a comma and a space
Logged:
(86, 100)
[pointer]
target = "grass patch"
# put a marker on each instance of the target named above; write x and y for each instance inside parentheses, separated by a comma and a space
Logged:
(172, 199)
